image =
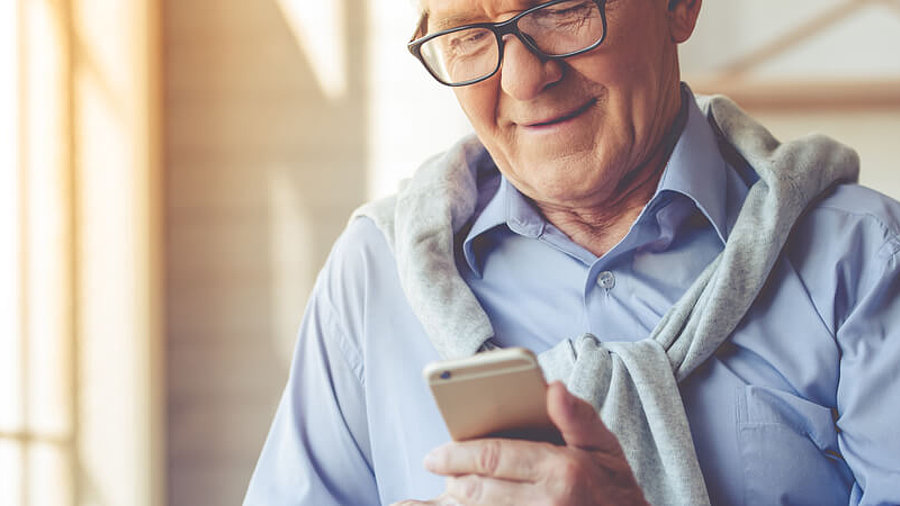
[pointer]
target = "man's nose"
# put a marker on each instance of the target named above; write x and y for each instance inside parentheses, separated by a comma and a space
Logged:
(524, 74)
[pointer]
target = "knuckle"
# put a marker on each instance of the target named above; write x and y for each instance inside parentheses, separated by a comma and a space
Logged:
(469, 488)
(569, 475)
(474, 489)
(446, 500)
(529, 467)
(489, 457)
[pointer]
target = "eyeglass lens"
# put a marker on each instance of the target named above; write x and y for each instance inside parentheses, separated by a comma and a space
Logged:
(556, 29)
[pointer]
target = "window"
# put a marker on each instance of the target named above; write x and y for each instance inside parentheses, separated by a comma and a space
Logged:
(36, 419)
(77, 415)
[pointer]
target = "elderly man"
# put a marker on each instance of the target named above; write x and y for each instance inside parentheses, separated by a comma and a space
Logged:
(723, 308)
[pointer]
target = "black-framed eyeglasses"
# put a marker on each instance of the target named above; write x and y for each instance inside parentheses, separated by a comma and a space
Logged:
(472, 53)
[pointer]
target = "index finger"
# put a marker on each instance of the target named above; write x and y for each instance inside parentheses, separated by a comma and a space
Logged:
(508, 459)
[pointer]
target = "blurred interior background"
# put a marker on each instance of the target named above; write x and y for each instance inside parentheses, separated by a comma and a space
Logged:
(173, 173)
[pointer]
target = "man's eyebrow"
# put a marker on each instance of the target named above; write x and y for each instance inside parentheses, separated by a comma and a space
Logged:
(448, 22)
(461, 19)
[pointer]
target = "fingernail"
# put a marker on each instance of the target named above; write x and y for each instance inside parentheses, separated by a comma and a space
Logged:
(431, 460)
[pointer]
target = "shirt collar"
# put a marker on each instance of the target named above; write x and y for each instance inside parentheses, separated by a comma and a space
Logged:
(696, 170)
(507, 207)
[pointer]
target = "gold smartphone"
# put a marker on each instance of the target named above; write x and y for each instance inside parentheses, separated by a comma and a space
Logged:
(498, 393)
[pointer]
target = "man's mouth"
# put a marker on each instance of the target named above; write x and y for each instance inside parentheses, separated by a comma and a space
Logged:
(567, 116)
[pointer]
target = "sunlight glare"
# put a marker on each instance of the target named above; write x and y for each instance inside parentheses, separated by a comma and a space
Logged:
(48, 365)
(10, 282)
(49, 476)
(321, 32)
(10, 472)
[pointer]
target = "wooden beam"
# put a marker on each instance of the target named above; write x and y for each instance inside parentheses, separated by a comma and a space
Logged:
(895, 4)
(757, 94)
(793, 38)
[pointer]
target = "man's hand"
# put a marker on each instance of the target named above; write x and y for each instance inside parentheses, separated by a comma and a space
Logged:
(590, 469)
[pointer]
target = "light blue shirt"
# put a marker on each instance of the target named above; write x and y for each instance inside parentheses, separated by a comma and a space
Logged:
(800, 406)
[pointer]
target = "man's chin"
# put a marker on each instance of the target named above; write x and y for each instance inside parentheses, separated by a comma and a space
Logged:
(556, 185)
(551, 153)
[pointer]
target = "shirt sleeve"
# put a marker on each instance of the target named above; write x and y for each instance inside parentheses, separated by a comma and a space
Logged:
(868, 395)
(317, 451)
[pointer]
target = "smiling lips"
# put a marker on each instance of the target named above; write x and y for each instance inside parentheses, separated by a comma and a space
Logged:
(564, 117)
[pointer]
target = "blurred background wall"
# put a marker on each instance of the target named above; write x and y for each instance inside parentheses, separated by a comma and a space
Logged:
(266, 148)
(173, 174)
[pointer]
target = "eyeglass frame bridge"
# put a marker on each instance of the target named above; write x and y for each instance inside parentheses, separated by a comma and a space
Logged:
(510, 26)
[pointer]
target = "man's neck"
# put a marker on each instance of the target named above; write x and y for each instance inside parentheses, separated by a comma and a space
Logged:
(599, 229)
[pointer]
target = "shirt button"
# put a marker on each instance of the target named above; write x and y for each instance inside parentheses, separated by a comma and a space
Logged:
(606, 280)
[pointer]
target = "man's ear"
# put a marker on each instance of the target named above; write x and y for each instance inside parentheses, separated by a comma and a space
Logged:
(682, 18)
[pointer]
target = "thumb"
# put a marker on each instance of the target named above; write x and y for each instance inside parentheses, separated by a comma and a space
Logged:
(578, 422)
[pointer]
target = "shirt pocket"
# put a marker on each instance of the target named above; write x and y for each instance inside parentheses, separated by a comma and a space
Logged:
(789, 450)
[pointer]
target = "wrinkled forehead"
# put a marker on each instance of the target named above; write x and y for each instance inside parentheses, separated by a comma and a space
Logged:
(443, 14)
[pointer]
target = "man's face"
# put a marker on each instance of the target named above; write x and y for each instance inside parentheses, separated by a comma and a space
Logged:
(566, 133)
